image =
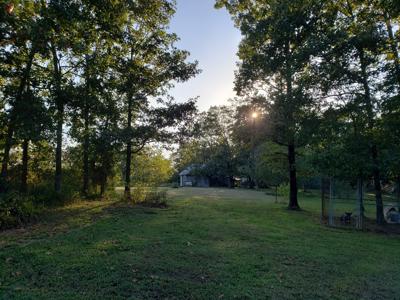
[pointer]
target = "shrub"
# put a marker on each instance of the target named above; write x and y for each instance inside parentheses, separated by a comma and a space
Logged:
(139, 194)
(149, 197)
(45, 195)
(156, 198)
(284, 190)
(16, 210)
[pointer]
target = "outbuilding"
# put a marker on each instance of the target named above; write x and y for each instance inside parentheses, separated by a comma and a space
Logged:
(190, 177)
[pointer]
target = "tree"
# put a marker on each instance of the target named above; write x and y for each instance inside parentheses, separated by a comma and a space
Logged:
(77, 64)
(248, 132)
(151, 168)
(352, 73)
(210, 147)
(59, 21)
(271, 165)
(390, 130)
(18, 49)
(148, 66)
(279, 41)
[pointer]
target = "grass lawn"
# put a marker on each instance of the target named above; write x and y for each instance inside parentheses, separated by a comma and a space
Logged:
(209, 244)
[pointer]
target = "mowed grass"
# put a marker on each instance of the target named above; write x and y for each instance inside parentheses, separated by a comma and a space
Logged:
(209, 244)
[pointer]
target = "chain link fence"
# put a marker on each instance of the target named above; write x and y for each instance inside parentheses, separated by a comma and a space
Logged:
(353, 205)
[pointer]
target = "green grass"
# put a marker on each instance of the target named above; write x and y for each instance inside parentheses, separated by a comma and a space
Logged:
(209, 244)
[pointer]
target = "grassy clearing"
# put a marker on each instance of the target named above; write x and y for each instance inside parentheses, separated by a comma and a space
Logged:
(209, 244)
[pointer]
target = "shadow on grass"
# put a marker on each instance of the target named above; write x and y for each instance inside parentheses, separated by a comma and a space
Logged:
(208, 246)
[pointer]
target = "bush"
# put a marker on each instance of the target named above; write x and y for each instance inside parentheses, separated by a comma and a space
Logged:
(45, 195)
(139, 194)
(284, 190)
(16, 210)
(149, 197)
(156, 199)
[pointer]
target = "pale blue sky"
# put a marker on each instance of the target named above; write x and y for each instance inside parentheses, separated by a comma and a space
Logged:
(212, 39)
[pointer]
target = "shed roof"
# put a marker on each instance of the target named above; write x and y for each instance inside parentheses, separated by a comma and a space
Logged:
(185, 172)
(188, 170)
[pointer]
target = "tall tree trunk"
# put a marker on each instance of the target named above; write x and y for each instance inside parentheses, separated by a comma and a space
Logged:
(374, 149)
(25, 159)
(60, 119)
(103, 184)
(360, 203)
(85, 188)
(58, 158)
(106, 159)
(380, 219)
(128, 152)
(6, 157)
(102, 188)
(10, 129)
(293, 201)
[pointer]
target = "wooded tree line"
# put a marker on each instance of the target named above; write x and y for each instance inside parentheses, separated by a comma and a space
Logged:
(327, 75)
(83, 87)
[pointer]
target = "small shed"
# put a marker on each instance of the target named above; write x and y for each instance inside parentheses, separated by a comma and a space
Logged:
(188, 177)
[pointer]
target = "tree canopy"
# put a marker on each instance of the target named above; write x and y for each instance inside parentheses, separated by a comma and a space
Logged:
(85, 79)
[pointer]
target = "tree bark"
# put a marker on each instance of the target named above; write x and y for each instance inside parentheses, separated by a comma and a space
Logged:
(293, 201)
(60, 120)
(58, 158)
(25, 159)
(380, 219)
(103, 184)
(85, 188)
(106, 159)
(128, 151)
(6, 157)
(360, 203)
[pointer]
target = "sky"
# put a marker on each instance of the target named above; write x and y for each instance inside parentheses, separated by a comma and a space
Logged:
(211, 38)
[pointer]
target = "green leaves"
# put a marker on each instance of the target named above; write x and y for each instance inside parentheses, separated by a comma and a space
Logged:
(75, 71)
